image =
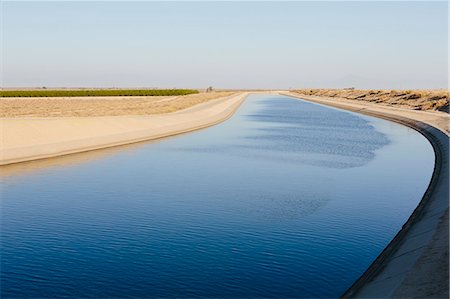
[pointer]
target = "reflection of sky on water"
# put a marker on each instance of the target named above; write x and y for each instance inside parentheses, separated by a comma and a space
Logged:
(270, 203)
(299, 132)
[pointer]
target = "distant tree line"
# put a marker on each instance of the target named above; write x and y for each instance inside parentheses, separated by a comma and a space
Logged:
(96, 92)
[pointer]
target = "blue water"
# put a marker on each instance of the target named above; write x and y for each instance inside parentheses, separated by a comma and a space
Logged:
(285, 199)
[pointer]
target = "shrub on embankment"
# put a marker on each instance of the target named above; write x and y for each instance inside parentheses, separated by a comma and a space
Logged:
(95, 92)
(413, 99)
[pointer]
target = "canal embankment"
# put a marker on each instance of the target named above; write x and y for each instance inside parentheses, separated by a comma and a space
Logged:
(415, 263)
(31, 138)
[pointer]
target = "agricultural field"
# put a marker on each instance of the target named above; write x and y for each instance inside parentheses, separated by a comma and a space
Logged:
(95, 92)
(101, 106)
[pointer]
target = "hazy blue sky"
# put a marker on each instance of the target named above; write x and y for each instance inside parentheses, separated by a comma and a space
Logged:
(225, 44)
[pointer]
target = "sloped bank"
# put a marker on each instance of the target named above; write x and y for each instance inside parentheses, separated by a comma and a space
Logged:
(415, 263)
(26, 139)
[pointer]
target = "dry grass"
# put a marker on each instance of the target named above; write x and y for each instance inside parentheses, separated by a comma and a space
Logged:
(411, 99)
(100, 106)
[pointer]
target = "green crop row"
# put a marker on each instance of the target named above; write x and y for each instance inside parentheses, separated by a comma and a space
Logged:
(95, 92)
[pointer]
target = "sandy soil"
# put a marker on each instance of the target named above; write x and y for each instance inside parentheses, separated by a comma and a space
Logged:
(25, 139)
(100, 106)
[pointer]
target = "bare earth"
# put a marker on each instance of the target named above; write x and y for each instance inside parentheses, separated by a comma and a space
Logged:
(425, 100)
(100, 106)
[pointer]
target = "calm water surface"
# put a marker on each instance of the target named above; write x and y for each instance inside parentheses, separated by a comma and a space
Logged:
(285, 199)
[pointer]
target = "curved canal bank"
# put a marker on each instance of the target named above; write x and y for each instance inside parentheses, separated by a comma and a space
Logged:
(29, 139)
(283, 200)
(415, 263)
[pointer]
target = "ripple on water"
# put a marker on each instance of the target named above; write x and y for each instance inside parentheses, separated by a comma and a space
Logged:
(270, 203)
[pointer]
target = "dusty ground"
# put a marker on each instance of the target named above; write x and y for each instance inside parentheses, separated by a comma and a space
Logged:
(412, 99)
(31, 138)
(100, 106)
